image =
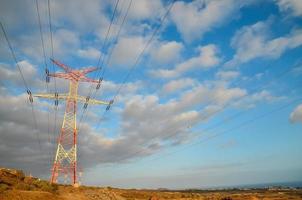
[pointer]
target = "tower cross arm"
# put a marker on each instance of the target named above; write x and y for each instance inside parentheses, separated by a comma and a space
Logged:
(61, 75)
(65, 67)
(52, 96)
(89, 80)
(92, 101)
(90, 69)
(81, 99)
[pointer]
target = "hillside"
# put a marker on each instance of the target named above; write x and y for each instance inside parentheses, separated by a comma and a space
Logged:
(15, 185)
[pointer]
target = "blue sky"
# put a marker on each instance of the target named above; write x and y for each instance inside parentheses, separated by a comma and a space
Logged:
(214, 101)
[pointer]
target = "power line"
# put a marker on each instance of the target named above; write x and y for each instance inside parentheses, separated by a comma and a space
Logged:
(46, 70)
(24, 83)
(108, 31)
(138, 58)
(221, 122)
(144, 49)
(245, 123)
(140, 55)
(173, 135)
(41, 35)
(103, 46)
(98, 65)
(108, 58)
(116, 39)
(53, 68)
(14, 57)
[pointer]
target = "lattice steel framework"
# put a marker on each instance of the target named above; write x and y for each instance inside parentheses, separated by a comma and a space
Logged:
(65, 161)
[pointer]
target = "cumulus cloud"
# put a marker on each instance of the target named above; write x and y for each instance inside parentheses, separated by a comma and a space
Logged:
(227, 75)
(254, 41)
(163, 121)
(8, 10)
(144, 120)
(167, 52)
(10, 73)
(296, 115)
(129, 88)
(176, 85)
(70, 20)
(194, 19)
(19, 143)
(90, 53)
(127, 50)
(146, 10)
(291, 7)
(263, 96)
(148, 124)
(207, 58)
(78, 16)
(65, 43)
(24, 153)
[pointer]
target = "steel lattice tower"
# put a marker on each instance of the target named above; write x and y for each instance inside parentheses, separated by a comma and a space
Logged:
(65, 161)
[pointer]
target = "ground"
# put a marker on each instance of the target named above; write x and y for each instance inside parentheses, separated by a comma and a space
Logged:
(14, 185)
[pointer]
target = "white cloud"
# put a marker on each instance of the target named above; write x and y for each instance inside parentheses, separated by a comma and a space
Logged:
(206, 59)
(65, 42)
(90, 53)
(11, 74)
(127, 50)
(169, 122)
(263, 96)
(68, 25)
(254, 41)
(128, 88)
(13, 12)
(83, 17)
(227, 75)
(13, 124)
(146, 122)
(167, 52)
(194, 19)
(179, 84)
(75, 15)
(292, 7)
(145, 9)
(296, 115)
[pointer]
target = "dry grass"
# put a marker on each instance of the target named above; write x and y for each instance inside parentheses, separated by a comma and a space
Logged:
(14, 185)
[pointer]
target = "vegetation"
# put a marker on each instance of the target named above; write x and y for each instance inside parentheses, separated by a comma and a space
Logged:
(15, 179)
(14, 185)
(3, 187)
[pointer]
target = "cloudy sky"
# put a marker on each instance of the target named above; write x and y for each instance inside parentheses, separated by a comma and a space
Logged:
(215, 100)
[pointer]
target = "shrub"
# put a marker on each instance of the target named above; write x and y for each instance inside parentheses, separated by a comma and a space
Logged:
(3, 187)
(45, 186)
(22, 186)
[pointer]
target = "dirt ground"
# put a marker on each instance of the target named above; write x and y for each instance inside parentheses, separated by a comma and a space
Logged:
(87, 193)
(14, 185)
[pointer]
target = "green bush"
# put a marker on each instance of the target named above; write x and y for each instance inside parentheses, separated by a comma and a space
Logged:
(22, 186)
(45, 186)
(3, 187)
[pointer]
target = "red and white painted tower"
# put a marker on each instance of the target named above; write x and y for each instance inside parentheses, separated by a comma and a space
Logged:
(65, 161)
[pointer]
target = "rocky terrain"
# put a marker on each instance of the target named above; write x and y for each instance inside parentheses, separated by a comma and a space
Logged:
(14, 185)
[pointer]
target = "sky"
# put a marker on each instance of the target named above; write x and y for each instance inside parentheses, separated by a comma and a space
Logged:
(214, 99)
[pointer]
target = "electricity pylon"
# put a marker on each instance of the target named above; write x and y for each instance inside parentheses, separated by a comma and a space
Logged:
(65, 161)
